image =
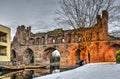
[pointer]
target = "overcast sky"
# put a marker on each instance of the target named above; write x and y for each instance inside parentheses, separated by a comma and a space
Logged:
(39, 14)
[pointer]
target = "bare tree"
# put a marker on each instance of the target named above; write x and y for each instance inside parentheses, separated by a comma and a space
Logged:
(82, 13)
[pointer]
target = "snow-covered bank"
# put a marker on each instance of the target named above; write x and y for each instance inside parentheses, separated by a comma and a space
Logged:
(89, 71)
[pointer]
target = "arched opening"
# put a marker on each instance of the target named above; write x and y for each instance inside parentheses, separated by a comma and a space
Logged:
(79, 61)
(13, 54)
(28, 56)
(55, 61)
(77, 55)
(13, 57)
(117, 53)
(37, 40)
(88, 57)
(54, 57)
(31, 41)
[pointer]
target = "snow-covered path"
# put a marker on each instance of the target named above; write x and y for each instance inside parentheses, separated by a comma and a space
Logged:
(89, 71)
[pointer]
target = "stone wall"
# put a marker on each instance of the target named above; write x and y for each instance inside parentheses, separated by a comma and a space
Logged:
(94, 43)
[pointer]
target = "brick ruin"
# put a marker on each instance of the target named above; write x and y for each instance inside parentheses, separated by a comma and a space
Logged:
(92, 44)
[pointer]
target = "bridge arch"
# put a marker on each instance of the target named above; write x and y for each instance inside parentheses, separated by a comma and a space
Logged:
(28, 56)
(54, 57)
(50, 51)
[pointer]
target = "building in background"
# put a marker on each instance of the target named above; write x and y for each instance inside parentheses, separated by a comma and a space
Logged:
(4, 43)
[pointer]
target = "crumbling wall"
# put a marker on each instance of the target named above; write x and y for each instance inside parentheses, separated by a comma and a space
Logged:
(92, 42)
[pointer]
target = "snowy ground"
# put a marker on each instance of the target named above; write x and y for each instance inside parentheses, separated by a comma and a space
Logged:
(88, 71)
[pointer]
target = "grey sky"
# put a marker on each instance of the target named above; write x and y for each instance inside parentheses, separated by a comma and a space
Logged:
(36, 13)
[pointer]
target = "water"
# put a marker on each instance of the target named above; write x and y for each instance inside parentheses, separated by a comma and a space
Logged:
(24, 74)
(27, 74)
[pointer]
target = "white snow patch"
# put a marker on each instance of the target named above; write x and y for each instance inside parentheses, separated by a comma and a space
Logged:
(56, 53)
(88, 71)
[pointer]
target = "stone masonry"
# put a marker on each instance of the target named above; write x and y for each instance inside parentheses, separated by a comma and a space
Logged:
(92, 44)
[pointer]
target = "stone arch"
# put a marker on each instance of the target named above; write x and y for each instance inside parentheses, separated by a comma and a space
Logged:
(13, 57)
(88, 57)
(28, 56)
(111, 54)
(32, 41)
(54, 57)
(37, 40)
(77, 55)
(47, 52)
(13, 53)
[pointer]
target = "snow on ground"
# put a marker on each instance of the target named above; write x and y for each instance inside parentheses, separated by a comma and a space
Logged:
(88, 71)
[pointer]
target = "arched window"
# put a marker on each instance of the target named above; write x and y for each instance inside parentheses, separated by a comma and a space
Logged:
(79, 39)
(63, 40)
(88, 57)
(53, 40)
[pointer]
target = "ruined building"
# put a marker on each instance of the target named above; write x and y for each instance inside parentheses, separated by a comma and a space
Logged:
(92, 44)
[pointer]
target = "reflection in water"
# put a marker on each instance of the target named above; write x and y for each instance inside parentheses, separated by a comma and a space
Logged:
(29, 74)
(24, 74)
(54, 69)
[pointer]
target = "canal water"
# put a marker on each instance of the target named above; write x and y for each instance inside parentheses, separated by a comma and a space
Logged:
(24, 74)
(27, 74)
